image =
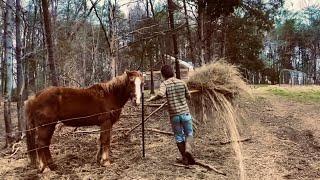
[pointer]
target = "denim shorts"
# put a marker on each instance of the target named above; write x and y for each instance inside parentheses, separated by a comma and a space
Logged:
(182, 126)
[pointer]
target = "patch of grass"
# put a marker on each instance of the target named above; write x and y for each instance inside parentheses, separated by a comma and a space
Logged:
(301, 94)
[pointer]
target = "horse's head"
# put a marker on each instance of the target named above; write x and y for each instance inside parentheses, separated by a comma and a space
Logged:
(135, 82)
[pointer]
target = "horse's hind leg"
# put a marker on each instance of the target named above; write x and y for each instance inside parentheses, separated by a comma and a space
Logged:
(105, 137)
(44, 139)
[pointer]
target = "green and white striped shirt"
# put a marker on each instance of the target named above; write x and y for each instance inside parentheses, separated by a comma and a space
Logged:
(177, 93)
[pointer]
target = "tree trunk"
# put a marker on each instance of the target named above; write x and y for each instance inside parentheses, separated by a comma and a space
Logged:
(314, 56)
(2, 73)
(201, 8)
(174, 38)
(150, 57)
(48, 34)
(3, 63)
(152, 9)
(151, 76)
(8, 56)
(40, 72)
(190, 47)
(29, 44)
(20, 81)
(113, 39)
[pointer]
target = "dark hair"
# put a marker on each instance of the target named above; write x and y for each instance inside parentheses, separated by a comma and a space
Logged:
(167, 71)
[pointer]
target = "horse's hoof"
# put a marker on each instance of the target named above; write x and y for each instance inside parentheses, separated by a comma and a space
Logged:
(106, 163)
(40, 169)
(44, 170)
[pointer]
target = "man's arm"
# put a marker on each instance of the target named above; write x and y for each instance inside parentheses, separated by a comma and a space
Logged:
(160, 94)
(153, 98)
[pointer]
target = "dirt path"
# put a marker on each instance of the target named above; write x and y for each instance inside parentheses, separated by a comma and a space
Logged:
(284, 144)
(286, 138)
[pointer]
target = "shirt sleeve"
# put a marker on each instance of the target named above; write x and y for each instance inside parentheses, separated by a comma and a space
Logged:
(188, 96)
(162, 91)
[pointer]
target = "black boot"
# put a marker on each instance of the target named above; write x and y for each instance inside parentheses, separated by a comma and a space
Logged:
(188, 150)
(182, 149)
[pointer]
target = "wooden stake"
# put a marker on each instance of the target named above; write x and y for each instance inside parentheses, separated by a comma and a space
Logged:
(241, 140)
(159, 131)
(209, 167)
(200, 163)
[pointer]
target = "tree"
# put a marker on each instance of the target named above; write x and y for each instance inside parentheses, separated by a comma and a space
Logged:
(113, 39)
(171, 8)
(294, 43)
(20, 80)
(313, 13)
(286, 51)
(208, 12)
(190, 43)
(8, 67)
(110, 34)
(48, 35)
(150, 57)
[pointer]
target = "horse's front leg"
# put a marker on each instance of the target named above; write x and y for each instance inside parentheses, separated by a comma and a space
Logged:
(44, 139)
(98, 155)
(105, 137)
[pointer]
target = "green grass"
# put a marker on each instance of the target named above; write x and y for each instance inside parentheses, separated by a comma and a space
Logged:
(297, 94)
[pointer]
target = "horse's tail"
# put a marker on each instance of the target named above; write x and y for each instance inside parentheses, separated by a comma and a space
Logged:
(30, 131)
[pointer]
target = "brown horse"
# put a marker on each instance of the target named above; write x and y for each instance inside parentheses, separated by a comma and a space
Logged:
(99, 105)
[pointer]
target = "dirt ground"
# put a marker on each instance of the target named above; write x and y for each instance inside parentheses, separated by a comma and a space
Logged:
(284, 144)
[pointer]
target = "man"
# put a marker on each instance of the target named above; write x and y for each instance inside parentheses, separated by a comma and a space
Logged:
(177, 93)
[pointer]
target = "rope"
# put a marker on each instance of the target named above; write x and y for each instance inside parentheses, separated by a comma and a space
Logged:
(70, 119)
(35, 149)
(65, 120)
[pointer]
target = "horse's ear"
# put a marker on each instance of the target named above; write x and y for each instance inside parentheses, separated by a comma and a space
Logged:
(130, 75)
(132, 78)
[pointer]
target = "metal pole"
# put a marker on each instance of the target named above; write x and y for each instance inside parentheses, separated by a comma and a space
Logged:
(142, 119)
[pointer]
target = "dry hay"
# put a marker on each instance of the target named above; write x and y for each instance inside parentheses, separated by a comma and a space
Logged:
(219, 84)
(219, 77)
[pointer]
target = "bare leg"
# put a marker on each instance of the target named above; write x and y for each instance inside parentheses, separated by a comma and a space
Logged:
(105, 137)
(44, 139)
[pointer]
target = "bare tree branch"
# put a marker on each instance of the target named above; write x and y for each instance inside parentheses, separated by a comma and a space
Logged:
(102, 26)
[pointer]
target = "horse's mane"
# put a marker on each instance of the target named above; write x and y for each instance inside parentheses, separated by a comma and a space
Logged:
(110, 86)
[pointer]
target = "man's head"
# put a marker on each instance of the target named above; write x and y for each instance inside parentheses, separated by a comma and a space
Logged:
(167, 71)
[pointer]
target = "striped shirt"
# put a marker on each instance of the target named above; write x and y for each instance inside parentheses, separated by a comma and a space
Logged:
(177, 93)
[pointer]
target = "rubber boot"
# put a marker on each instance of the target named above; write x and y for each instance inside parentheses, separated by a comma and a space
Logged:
(182, 149)
(188, 150)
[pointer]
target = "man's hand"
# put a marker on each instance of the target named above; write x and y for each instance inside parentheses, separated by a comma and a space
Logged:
(150, 99)
(153, 98)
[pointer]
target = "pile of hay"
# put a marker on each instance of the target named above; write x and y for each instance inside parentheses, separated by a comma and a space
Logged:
(219, 77)
(219, 84)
